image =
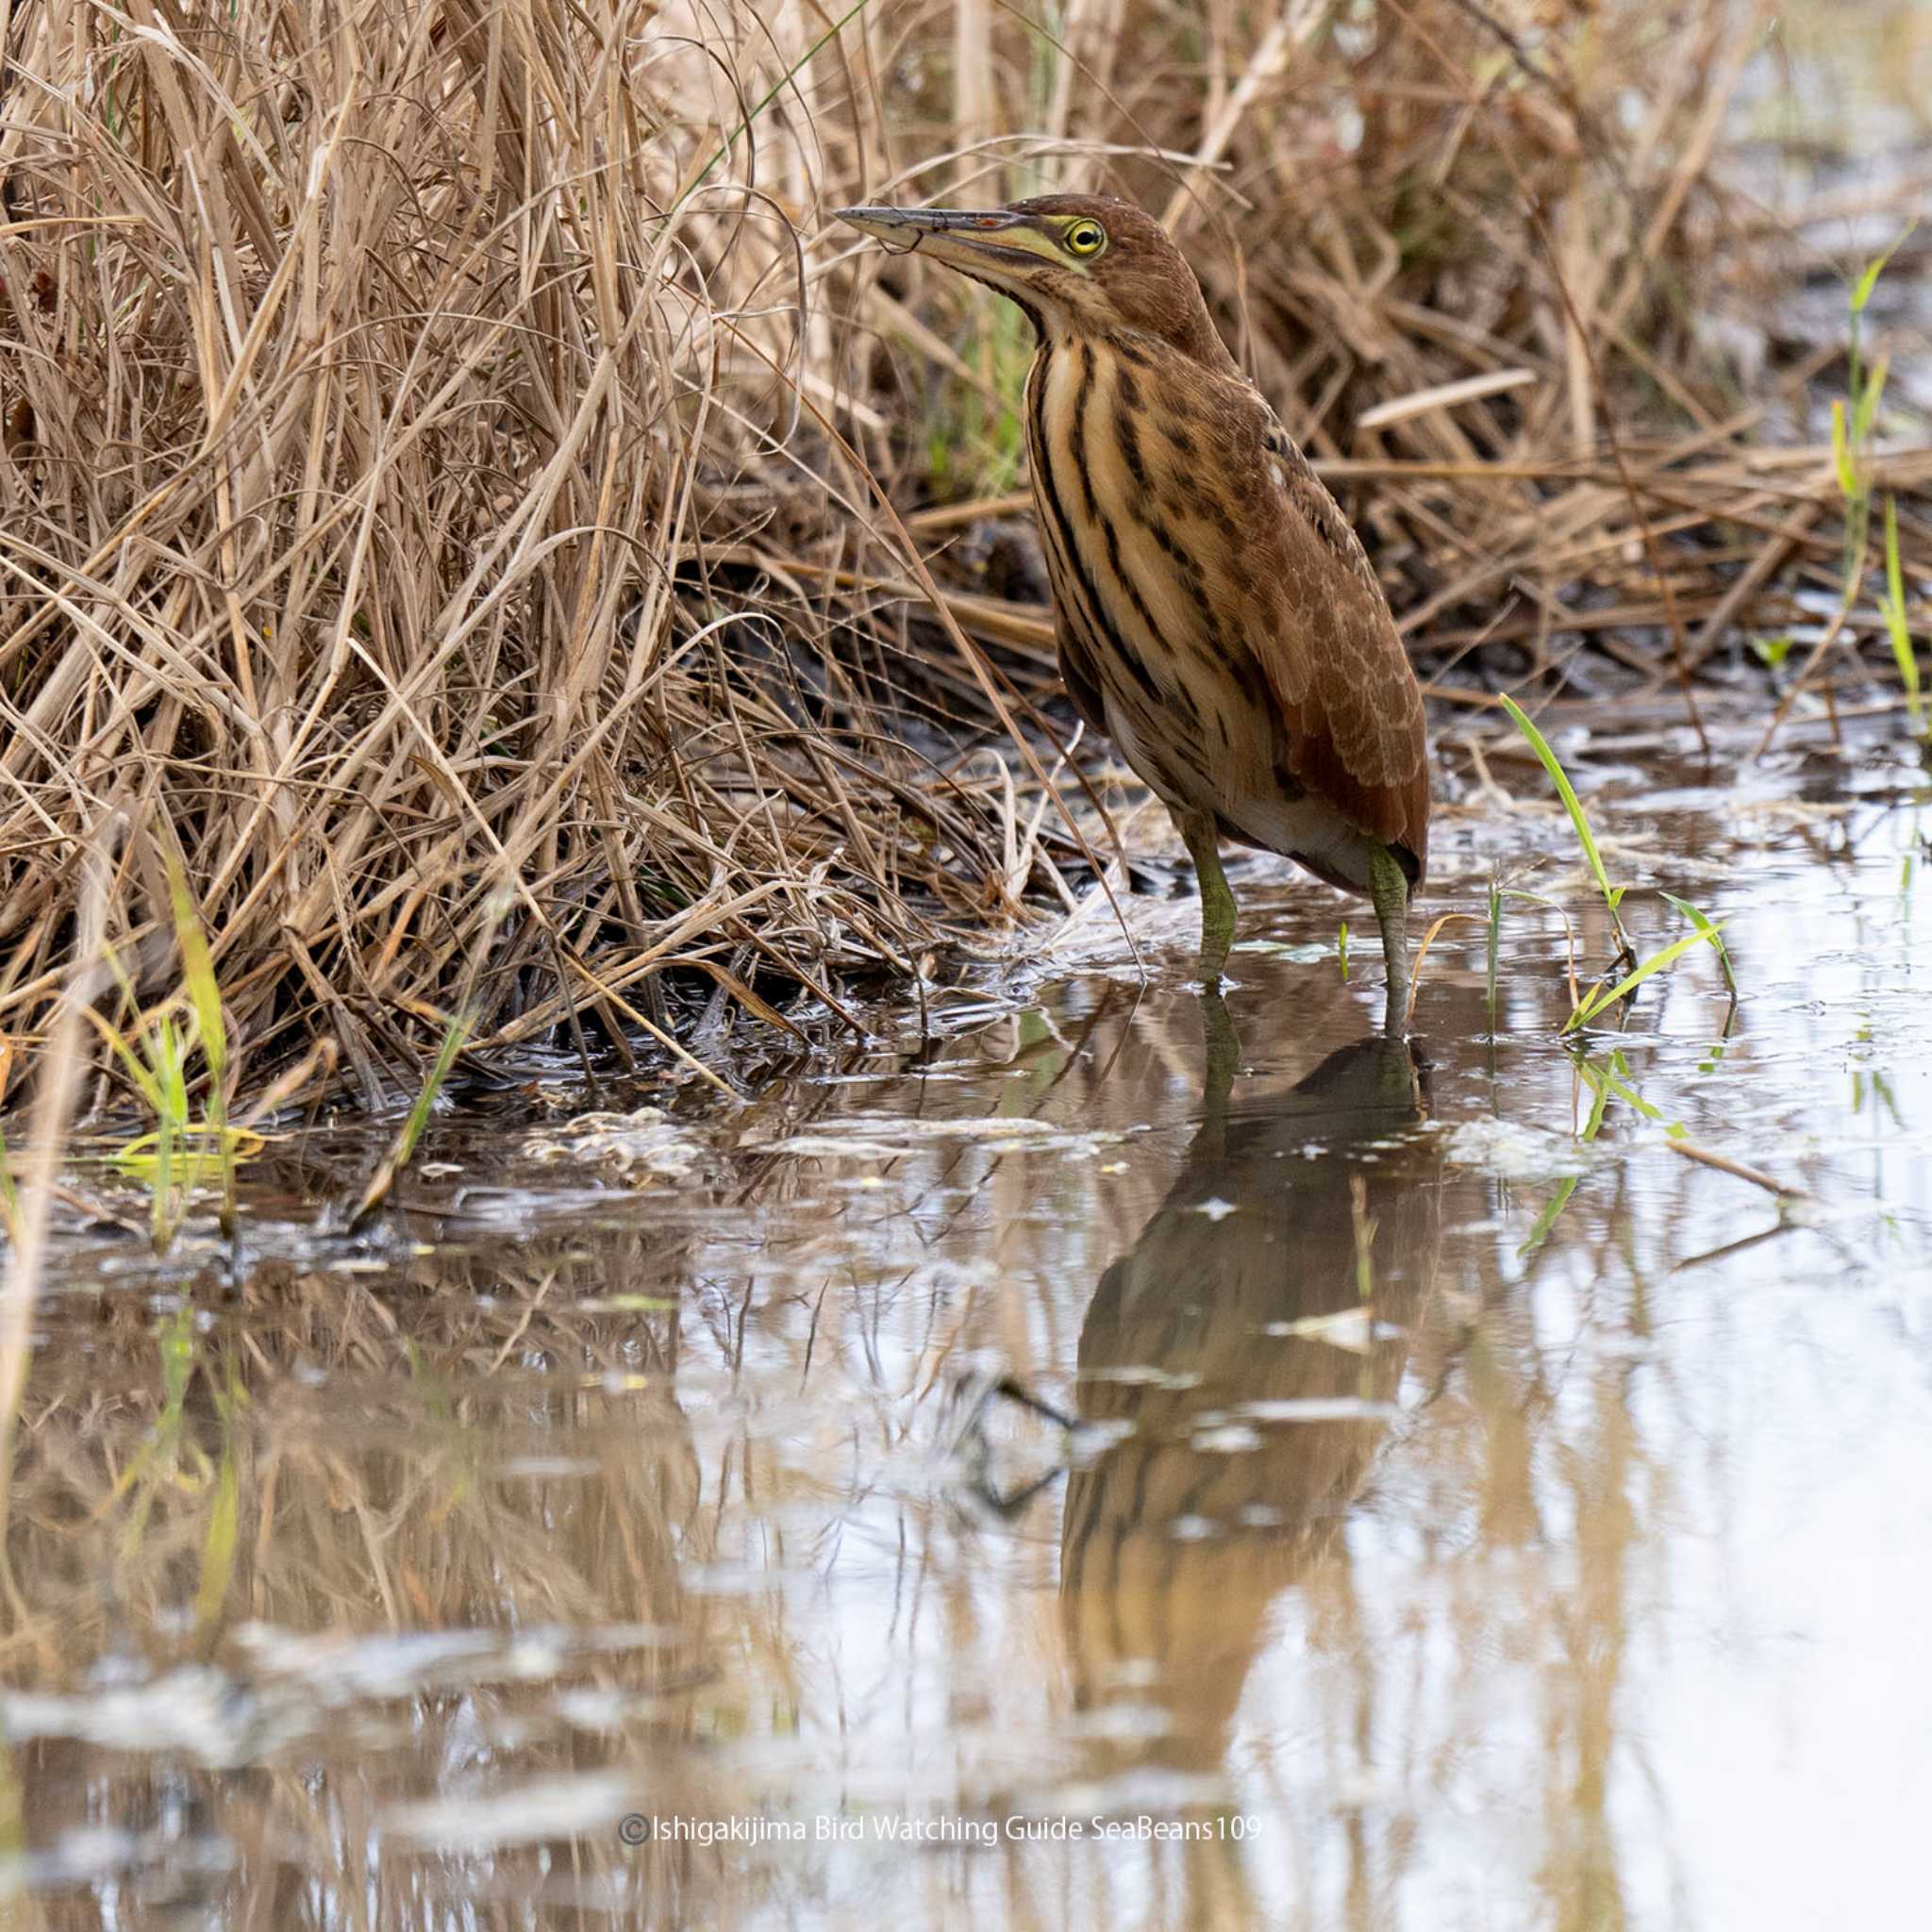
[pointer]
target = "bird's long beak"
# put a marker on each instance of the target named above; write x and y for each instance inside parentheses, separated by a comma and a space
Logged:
(975, 239)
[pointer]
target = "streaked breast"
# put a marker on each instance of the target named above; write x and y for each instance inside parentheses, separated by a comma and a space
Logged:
(1131, 569)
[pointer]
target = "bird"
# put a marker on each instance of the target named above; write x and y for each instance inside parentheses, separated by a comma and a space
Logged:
(1215, 612)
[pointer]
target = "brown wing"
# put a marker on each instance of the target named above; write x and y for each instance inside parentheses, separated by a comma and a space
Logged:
(1318, 625)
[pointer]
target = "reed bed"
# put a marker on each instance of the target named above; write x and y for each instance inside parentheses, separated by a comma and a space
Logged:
(470, 524)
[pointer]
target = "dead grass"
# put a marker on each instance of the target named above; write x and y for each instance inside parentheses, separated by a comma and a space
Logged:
(440, 507)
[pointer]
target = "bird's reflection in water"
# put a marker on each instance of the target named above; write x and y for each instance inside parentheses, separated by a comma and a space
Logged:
(1216, 1497)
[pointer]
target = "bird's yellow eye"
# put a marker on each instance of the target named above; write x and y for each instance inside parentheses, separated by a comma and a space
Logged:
(1085, 238)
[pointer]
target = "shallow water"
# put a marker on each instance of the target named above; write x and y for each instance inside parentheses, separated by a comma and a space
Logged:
(1083, 1423)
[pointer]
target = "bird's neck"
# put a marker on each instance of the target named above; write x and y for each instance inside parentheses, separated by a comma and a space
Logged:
(1202, 345)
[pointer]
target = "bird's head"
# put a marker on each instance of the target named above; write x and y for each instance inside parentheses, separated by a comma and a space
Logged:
(1077, 264)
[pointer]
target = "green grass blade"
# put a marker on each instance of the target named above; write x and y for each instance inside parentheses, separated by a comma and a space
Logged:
(454, 1035)
(145, 1083)
(1710, 931)
(198, 972)
(1868, 279)
(205, 996)
(1865, 411)
(1893, 604)
(1841, 452)
(397, 1159)
(1597, 1003)
(168, 1055)
(1572, 804)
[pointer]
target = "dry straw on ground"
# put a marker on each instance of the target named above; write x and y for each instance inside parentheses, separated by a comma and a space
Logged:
(440, 503)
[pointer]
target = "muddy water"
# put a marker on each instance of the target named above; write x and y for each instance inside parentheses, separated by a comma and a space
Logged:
(1113, 1461)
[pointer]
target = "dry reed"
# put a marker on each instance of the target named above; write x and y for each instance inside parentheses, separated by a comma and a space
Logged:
(444, 451)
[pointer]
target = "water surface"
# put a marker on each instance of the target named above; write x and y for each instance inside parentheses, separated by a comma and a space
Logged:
(1106, 1414)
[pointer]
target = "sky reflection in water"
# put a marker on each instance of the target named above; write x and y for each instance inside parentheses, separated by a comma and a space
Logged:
(1446, 1573)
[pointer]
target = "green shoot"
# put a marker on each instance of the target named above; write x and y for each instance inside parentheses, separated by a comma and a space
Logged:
(386, 1175)
(1867, 278)
(157, 1064)
(452, 1038)
(1573, 806)
(1852, 487)
(203, 996)
(1772, 652)
(1341, 948)
(171, 1158)
(456, 1030)
(1841, 451)
(1595, 1003)
(1851, 439)
(1892, 602)
(1865, 406)
(1861, 295)
(1710, 931)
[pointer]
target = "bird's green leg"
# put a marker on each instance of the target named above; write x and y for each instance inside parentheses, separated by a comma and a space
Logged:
(1222, 1058)
(1389, 890)
(1217, 902)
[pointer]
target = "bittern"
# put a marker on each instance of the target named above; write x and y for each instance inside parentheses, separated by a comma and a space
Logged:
(1216, 615)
